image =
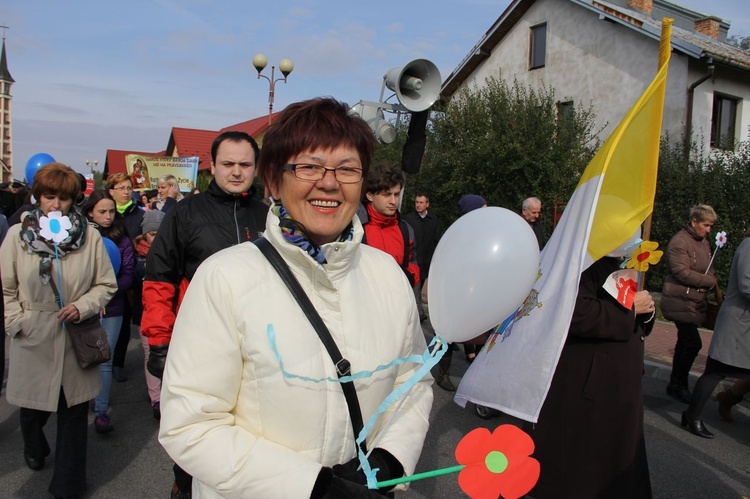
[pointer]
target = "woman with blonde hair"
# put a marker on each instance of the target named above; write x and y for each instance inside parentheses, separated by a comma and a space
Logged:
(168, 193)
(683, 298)
(44, 376)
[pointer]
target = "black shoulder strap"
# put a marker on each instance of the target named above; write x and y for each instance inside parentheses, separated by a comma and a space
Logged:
(343, 368)
(57, 293)
(405, 234)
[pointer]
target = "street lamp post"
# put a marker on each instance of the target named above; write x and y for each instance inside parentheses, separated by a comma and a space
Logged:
(286, 66)
(92, 165)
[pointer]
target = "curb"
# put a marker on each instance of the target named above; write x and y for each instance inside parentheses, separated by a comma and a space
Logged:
(659, 371)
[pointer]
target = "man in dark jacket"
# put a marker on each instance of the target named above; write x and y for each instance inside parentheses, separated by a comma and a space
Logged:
(199, 226)
(531, 209)
(427, 233)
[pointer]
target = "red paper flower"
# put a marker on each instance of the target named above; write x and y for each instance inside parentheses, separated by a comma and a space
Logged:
(497, 463)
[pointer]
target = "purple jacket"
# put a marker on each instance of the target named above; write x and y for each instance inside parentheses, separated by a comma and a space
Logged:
(125, 279)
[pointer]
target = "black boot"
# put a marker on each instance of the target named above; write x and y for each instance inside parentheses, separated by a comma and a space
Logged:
(679, 392)
(695, 426)
(444, 366)
(678, 381)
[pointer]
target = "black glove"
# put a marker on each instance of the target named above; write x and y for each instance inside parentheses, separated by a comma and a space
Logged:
(328, 486)
(157, 357)
(379, 458)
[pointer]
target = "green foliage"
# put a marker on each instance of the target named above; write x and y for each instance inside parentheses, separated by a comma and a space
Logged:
(203, 179)
(719, 179)
(739, 41)
(505, 142)
(98, 179)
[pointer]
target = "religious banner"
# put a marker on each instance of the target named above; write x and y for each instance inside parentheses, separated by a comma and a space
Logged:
(89, 183)
(145, 171)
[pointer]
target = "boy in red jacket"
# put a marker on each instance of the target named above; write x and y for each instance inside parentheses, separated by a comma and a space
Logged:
(384, 228)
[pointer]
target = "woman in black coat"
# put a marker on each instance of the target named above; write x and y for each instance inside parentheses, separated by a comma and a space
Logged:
(589, 437)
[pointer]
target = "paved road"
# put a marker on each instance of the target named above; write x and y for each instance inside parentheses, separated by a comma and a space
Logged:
(130, 463)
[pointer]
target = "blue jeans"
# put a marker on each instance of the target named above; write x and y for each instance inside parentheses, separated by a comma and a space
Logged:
(112, 326)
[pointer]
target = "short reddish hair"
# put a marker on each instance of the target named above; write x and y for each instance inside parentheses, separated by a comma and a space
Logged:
(320, 123)
(116, 178)
(58, 179)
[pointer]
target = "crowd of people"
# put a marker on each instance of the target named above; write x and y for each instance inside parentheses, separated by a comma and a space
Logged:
(237, 336)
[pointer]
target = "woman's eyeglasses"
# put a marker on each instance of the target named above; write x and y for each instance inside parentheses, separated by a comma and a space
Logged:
(313, 173)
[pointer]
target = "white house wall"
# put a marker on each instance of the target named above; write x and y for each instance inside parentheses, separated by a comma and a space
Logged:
(728, 82)
(589, 61)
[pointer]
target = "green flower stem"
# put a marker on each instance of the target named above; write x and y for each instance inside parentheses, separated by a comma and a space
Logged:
(421, 476)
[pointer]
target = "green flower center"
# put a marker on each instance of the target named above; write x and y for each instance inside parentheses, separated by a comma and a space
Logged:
(496, 462)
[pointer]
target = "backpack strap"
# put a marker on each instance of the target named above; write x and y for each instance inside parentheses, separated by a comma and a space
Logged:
(405, 234)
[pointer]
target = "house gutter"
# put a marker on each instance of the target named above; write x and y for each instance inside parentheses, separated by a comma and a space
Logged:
(690, 95)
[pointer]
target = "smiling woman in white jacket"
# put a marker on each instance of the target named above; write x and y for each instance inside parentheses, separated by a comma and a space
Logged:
(230, 416)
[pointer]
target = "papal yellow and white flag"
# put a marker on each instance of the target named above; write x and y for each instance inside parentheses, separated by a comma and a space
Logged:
(514, 370)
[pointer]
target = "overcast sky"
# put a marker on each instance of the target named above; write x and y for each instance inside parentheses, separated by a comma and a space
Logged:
(95, 75)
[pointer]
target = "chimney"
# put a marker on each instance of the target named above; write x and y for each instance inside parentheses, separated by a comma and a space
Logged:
(646, 6)
(709, 26)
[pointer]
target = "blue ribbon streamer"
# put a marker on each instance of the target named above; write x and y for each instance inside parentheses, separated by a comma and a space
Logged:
(429, 358)
(59, 280)
(59, 277)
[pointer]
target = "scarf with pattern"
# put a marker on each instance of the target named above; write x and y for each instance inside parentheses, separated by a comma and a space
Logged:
(33, 242)
(294, 232)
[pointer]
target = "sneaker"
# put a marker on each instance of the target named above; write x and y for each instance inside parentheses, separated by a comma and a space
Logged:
(156, 408)
(102, 424)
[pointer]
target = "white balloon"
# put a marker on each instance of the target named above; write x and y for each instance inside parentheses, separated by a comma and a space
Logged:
(483, 268)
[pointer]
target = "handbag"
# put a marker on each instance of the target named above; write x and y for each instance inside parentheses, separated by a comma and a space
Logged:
(343, 367)
(712, 308)
(88, 337)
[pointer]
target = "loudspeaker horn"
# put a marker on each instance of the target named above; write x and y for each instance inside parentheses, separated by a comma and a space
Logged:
(384, 131)
(417, 85)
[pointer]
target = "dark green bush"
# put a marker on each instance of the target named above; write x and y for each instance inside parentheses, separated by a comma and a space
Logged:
(719, 179)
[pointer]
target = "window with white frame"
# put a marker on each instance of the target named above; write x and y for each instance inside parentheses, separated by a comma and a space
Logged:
(723, 121)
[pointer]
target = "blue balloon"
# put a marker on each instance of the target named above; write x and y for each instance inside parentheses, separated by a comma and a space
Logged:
(35, 162)
(114, 253)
